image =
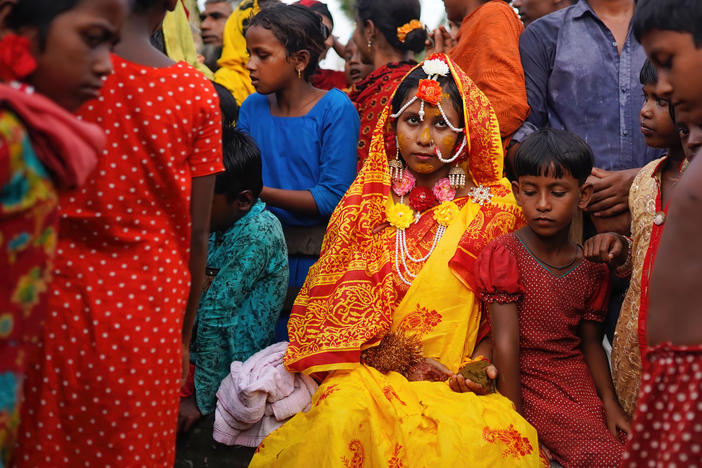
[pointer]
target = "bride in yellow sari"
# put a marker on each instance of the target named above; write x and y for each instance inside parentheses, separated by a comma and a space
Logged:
(388, 315)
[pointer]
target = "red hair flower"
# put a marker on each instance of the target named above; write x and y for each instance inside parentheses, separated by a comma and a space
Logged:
(429, 91)
(16, 61)
(421, 199)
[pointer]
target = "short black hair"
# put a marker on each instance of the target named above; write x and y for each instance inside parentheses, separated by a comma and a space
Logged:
(554, 152)
(412, 81)
(683, 16)
(648, 74)
(242, 165)
(388, 15)
(297, 28)
(38, 14)
(228, 106)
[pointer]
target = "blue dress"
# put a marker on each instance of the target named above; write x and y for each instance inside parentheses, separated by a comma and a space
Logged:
(315, 152)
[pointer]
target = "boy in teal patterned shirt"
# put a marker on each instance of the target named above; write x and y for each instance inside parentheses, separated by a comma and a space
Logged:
(247, 277)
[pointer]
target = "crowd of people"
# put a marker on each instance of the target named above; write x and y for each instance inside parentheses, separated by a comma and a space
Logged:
(423, 259)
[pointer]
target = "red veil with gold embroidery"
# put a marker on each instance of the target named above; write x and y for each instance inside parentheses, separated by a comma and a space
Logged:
(346, 303)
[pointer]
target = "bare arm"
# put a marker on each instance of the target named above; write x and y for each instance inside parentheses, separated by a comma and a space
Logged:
(200, 210)
(299, 201)
(505, 336)
(339, 48)
(591, 334)
(675, 283)
(484, 349)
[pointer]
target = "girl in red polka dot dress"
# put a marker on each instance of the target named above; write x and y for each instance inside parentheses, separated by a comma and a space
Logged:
(106, 391)
(546, 307)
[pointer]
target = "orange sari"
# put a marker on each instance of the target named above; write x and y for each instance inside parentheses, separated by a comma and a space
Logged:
(487, 49)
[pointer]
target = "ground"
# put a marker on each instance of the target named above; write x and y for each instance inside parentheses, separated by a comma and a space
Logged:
(197, 449)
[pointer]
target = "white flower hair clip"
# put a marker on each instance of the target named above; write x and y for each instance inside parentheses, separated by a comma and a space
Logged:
(434, 67)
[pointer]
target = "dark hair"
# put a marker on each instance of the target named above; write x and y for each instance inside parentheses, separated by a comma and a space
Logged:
(412, 81)
(228, 106)
(648, 74)
(318, 7)
(297, 28)
(140, 6)
(242, 165)
(554, 152)
(38, 14)
(158, 40)
(683, 16)
(388, 15)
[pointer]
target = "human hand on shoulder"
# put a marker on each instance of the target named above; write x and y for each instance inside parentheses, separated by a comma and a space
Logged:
(610, 191)
(616, 417)
(610, 248)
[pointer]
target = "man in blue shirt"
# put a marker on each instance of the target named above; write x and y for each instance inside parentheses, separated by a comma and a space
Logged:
(582, 69)
(531, 10)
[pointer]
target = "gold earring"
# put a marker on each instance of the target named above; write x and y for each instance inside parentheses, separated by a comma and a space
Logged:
(396, 166)
(457, 177)
(299, 74)
(370, 43)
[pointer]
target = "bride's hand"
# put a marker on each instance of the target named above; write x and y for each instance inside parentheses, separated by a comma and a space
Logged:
(429, 369)
(460, 384)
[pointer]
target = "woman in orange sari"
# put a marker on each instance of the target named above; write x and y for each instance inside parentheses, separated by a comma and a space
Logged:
(388, 315)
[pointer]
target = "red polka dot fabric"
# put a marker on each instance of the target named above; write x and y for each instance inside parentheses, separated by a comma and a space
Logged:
(105, 392)
(558, 393)
(667, 426)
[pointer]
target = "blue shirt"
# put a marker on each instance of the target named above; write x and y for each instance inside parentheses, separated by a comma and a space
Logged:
(315, 152)
(576, 80)
(248, 269)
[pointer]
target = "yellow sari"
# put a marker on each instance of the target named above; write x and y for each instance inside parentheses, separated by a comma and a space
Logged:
(352, 298)
(233, 74)
(178, 36)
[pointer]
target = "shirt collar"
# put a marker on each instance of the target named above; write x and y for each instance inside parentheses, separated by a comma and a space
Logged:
(581, 8)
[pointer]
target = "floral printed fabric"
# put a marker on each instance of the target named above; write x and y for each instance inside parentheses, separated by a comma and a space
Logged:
(237, 313)
(28, 218)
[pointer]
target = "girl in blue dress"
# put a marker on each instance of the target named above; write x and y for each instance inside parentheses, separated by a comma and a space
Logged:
(307, 136)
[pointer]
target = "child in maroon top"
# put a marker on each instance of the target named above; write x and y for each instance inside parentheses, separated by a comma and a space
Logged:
(547, 304)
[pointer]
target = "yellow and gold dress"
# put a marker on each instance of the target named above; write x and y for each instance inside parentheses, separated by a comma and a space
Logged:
(626, 355)
(353, 297)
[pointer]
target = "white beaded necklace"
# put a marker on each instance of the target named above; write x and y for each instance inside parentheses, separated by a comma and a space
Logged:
(402, 252)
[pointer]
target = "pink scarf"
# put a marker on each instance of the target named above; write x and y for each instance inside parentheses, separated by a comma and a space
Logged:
(67, 147)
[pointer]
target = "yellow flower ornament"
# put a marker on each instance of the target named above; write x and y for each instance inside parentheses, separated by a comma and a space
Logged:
(445, 213)
(400, 216)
